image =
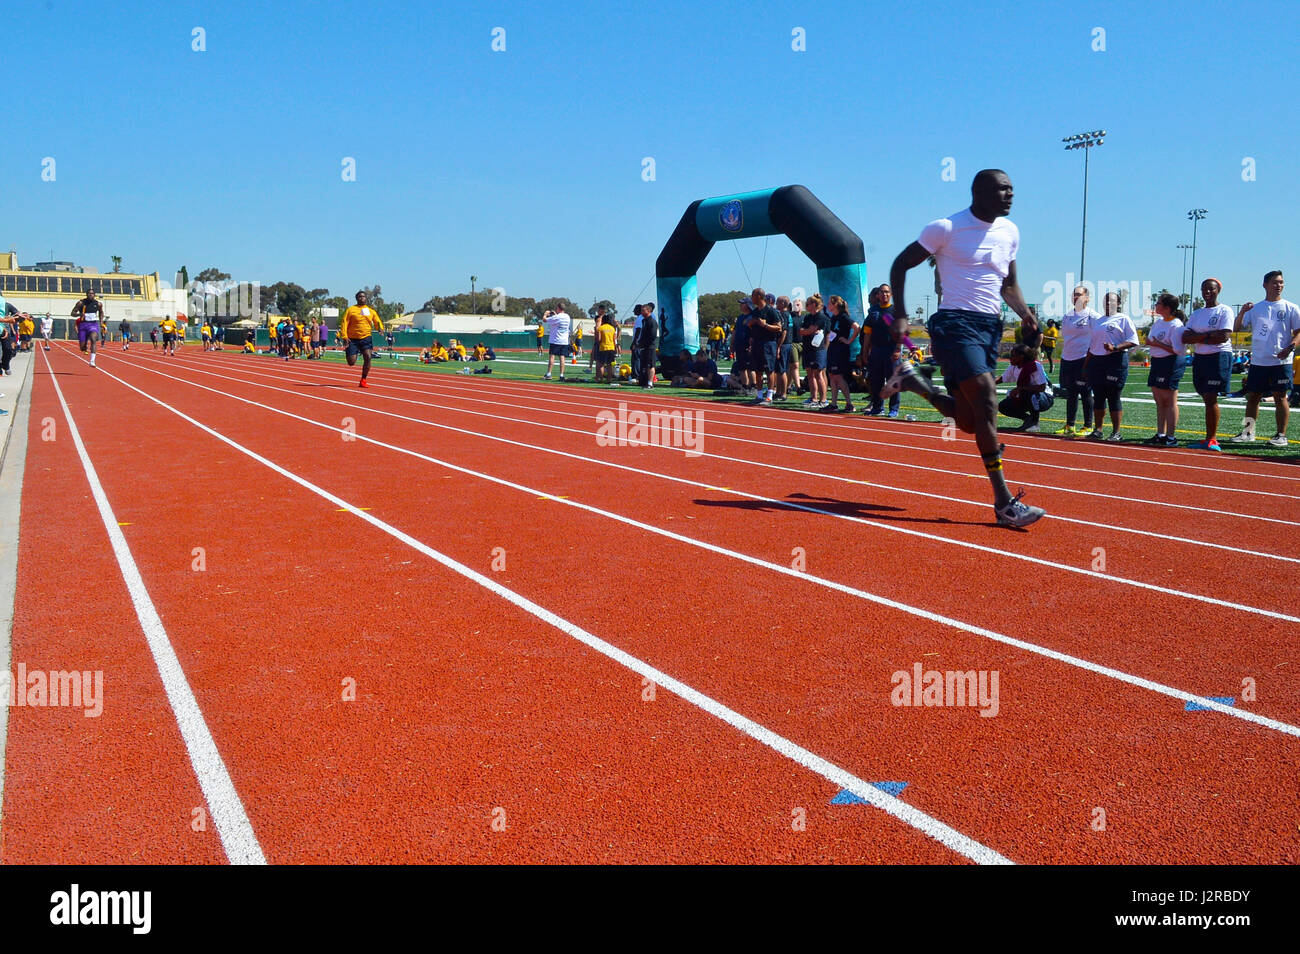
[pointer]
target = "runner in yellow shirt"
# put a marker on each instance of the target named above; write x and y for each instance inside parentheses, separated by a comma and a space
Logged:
(168, 326)
(355, 328)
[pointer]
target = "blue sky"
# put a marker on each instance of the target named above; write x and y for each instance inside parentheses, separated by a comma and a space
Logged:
(524, 167)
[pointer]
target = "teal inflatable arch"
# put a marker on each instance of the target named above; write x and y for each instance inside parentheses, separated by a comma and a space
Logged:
(789, 210)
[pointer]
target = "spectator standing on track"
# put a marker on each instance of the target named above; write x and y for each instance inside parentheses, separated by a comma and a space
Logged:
(740, 348)
(559, 326)
(1208, 329)
(1274, 326)
(1168, 362)
(8, 322)
(765, 332)
(839, 361)
(648, 344)
(1113, 336)
(357, 328)
(1076, 336)
(786, 367)
(25, 329)
(813, 332)
(881, 349)
(606, 349)
(638, 316)
(89, 312)
(595, 337)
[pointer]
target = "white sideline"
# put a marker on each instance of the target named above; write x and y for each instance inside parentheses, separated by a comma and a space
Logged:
(236, 831)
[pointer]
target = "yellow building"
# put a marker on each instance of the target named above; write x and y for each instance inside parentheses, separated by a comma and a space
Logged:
(54, 287)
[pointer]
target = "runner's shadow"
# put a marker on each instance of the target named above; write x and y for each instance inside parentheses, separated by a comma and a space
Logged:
(831, 505)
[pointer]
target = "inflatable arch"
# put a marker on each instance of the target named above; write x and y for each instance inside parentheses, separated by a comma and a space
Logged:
(789, 210)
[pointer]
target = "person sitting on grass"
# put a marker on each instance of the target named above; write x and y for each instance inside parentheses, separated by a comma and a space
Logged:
(249, 347)
(426, 357)
(480, 353)
(489, 354)
(698, 372)
(1029, 395)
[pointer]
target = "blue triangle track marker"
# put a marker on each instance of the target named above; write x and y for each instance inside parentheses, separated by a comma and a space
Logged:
(845, 797)
(1197, 707)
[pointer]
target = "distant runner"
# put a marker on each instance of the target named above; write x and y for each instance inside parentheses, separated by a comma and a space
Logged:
(89, 312)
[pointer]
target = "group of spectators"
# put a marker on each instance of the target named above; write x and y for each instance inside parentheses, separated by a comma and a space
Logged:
(293, 338)
(1095, 360)
(782, 347)
(456, 351)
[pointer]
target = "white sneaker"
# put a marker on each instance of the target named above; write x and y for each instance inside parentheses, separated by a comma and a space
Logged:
(92, 360)
(903, 369)
(1031, 429)
(1247, 435)
(1279, 440)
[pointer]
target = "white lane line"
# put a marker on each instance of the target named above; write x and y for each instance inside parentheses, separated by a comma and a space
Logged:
(855, 458)
(1079, 662)
(1163, 537)
(1104, 452)
(236, 831)
(910, 815)
(1092, 470)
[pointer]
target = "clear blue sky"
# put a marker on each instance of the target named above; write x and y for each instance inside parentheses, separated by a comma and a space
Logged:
(524, 167)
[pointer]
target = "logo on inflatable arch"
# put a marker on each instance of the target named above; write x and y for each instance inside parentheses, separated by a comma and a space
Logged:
(731, 216)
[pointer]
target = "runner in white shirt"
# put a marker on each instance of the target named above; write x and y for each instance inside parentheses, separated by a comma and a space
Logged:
(1076, 335)
(1208, 328)
(975, 250)
(47, 329)
(1274, 326)
(558, 326)
(1113, 336)
(1168, 362)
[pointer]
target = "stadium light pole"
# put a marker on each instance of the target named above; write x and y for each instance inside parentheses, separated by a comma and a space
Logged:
(473, 297)
(1084, 141)
(1183, 286)
(1195, 215)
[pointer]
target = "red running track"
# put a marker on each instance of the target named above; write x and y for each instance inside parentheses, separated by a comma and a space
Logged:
(470, 707)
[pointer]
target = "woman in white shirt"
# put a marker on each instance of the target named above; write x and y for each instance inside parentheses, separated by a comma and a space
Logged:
(1076, 335)
(1113, 336)
(1168, 362)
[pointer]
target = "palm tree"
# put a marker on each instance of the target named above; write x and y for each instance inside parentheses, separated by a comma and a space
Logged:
(473, 301)
(117, 263)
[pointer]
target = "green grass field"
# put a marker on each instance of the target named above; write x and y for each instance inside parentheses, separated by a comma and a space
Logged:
(1138, 419)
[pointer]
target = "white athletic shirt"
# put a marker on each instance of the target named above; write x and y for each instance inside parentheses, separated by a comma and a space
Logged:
(1012, 375)
(974, 257)
(47, 325)
(1218, 318)
(1076, 333)
(1165, 337)
(1271, 325)
(1117, 329)
(558, 326)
